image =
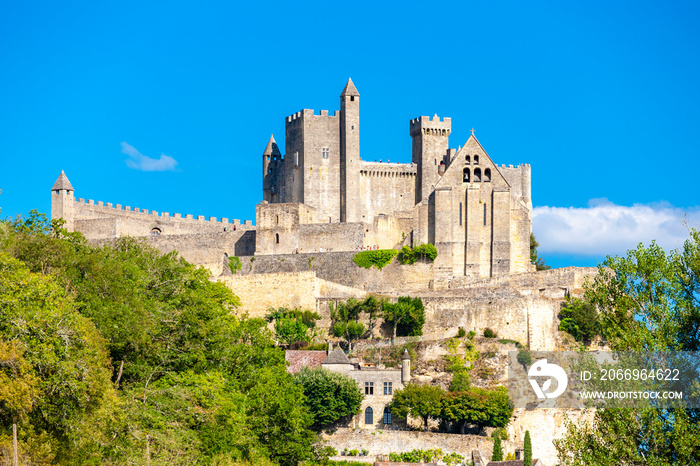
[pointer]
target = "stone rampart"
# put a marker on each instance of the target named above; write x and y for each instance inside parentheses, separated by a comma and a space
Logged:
(97, 220)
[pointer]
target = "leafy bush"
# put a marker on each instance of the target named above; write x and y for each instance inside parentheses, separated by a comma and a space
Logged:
(234, 263)
(506, 341)
(524, 357)
(379, 258)
(461, 333)
(409, 255)
(407, 316)
(579, 318)
(488, 333)
(471, 334)
(453, 459)
(330, 396)
(500, 432)
(417, 456)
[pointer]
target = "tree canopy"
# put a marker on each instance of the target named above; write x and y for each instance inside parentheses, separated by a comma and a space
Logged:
(330, 396)
(106, 349)
(648, 300)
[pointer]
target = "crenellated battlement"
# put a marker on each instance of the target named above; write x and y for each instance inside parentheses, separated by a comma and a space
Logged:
(119, 210)
(435, 127)
(387, 169)
(308, 113)
(510, 165)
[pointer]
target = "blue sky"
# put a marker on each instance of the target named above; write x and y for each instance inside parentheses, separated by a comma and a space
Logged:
(169, 105)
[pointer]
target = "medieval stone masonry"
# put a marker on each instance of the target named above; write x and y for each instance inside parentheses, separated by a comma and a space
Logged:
(320, 196)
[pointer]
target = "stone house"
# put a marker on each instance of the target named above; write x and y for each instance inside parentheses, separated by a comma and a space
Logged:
(377, 384)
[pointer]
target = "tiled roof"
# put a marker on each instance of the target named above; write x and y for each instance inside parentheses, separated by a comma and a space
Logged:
(62, 183)
(337, 356)
(297, 360)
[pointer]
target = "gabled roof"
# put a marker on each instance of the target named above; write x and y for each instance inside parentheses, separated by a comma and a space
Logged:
(272, 148)
(350, 89)
(337, 356)
(62, 183)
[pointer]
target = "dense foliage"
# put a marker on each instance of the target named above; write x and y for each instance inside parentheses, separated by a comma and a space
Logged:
(406, 316)
(579, 318)
(431, 455)
(109, 352)
(497, 454)
(476, 407)
(648, 300)
(293, 326)
(379, 258)
(527, 447)
(330, 396)
(426, 252)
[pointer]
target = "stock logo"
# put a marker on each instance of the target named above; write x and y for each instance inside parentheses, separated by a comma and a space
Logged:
(553, 371)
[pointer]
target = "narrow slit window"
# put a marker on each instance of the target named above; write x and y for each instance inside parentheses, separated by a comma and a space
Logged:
(460, 214)
(484, 214)
(277, 238)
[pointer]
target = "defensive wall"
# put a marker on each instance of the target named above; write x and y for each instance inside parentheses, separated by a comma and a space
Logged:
(521, 307)
(544, 425)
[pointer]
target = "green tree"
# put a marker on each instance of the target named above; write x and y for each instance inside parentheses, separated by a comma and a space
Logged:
(534, 258)
(56, 380)
(497, 450)
(579, 318)
(527, 454)
(419, 401)
(330, 396)
(647, 301)
(477, 406)
(406, 316)
(372, 306)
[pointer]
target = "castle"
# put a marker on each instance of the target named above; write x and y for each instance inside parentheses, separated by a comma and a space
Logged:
(320, 196)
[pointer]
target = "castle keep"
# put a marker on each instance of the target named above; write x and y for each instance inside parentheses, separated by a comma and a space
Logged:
(320, 196)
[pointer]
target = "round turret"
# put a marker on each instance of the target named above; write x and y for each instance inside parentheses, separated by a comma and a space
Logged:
(405, 368)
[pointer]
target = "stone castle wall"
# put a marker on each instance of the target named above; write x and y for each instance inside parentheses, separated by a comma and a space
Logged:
(99, 220)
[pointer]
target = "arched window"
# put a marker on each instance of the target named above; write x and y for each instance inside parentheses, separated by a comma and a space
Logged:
(467, 160)
(477, 175)
(387, 416)
(465, 175)
(156, 232)
(487, 175)
(476, 159)
(369, 416)
(277, 238)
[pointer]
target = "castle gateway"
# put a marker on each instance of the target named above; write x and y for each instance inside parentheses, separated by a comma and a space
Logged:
(320, 196)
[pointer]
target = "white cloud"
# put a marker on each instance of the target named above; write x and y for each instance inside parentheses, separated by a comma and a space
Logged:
(606, 228)
(138, 161)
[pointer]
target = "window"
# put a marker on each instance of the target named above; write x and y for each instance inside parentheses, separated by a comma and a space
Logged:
(387, 416)
(387, 388)
(460, 214)
(477, 175)
(369, 388)
(326, 151)
(484, 214)
(277, 218)
(465, 175)
(487, 175)
(466, 160)
(277, 238)
(352, 98)
(476, 159)
(155, 232)
(369, 416)
(296, 159)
